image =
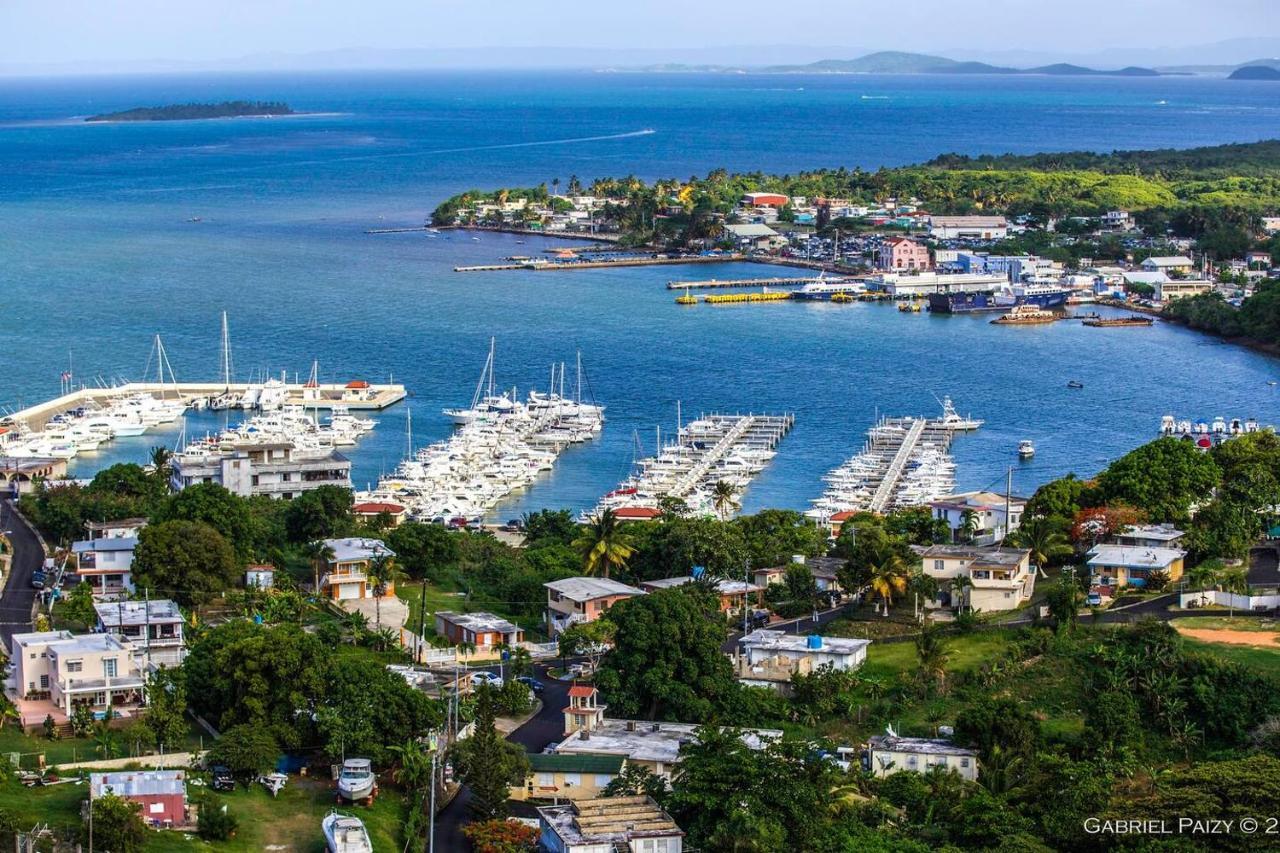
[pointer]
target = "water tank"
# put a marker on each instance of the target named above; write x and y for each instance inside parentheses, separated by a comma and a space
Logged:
(815, 642)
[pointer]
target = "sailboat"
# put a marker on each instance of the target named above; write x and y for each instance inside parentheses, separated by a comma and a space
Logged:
(486, 401)
(228, 399)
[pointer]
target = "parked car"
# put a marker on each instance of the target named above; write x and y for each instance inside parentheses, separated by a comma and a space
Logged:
(532, 683)
(513, 525)
(223, 778)
(38, 579)
(484, 677)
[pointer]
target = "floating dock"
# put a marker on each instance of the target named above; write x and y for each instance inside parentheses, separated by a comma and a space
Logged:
(354, 395)
(904, 463)
(712, 449)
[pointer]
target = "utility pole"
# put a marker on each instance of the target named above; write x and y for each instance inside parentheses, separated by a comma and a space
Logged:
(1008, 491)
(146, 599)
(422, 622)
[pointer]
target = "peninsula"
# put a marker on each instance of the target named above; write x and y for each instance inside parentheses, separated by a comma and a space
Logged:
(187, 112)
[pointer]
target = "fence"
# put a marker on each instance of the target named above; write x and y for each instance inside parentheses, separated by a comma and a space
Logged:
(430, 655)
(1211, 597)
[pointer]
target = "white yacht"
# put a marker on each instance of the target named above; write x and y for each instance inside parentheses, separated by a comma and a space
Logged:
(345, 834)
(357, 780)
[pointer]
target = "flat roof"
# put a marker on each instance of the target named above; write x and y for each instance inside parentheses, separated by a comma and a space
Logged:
(723, 585)
(976, 553)
(968, 220)
(1134, 556)
(609, 820)
(115, 525)
(649, 741)
(116, 613)
(585, 589)
(1169, 261)
(919, 745)
(751, 230)
(978, 500)
(352, 549)
(87, 643)
(116, 543)
(138, 783)
(1162, 532)
(767, 639)
(479, 621)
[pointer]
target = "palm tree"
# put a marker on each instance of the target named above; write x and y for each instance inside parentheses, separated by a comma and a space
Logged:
(931, 651)
(603, 545)
(888, 575)
(1236, 582)
(724, 497)
(320, 555)
(960, 584)
(9, 713)
(1203, 576)
(162, 464)
(1043, 539)
(382, 571)
(969, 525)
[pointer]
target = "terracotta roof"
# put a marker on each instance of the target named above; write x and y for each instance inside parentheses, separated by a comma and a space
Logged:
(637, 512)
(579, 691)
(374, 507)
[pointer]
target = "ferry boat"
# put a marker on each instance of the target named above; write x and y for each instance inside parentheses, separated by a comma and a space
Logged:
(1027, 315)
(825, 289)
(1038, 295)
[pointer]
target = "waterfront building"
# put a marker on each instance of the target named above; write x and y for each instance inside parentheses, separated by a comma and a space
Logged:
(968, 227)
(754, 235)
(55, 671)
(1168, 264)
(634, 824)
(19, 475)
(892, 754)
(1180, 288)
(275, 470)
(908, 285)
(150, 630)
(997, 578)
(347, 570)
(981, 517)
(903, 253)
(482, 630)
(770, 658)
(582, 599)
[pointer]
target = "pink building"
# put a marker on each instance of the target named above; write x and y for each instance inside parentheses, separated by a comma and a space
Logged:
(900, 253)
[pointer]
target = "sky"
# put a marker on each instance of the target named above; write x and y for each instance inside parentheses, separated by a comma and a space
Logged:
(103, 33)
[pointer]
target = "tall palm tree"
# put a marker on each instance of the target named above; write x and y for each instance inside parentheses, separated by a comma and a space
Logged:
(931, 652)
(320, 555)
(1236, 582)
(888, 576)
(724, 497)
(162, 464)
(1043, 539)
(969, 525)
(959, 585)
(382, 571)
(603, 545)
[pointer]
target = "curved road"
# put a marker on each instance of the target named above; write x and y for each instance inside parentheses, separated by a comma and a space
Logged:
(18, 597)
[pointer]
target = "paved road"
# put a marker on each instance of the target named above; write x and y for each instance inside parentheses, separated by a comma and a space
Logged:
(544, 728)
(18, 596)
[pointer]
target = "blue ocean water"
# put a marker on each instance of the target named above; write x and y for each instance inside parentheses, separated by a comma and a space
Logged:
(97, 254)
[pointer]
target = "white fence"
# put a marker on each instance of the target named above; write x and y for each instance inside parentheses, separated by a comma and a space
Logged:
(1211, 597)
(430, 655)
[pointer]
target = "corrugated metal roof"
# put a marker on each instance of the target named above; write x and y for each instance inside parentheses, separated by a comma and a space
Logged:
(575, 763)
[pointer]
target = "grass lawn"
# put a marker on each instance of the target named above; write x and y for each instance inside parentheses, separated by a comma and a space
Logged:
(1228, 623)
(66, 750)
(1266, 661)
(964, 652)
(410, 592)
(289, 822)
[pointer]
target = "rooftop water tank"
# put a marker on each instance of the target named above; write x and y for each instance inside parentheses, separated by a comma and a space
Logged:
(815, 642)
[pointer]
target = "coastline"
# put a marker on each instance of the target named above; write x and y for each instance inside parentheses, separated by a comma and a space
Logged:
(529, 232)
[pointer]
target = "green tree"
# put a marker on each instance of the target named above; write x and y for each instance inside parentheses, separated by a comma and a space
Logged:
(248, 750)
(424, 551)
(1063, 600)
(217, 823)
(603, 545)
(724, 497)
(773, 536)
(165, 720)
(636, 780)
(1164, 477)
(117, 825)
(188, 561)
(666, 662)
(320, 554)
(931, 656)
(1044, 538)
(321, 513)
(78, 606)
(487, 764)
(211, 504)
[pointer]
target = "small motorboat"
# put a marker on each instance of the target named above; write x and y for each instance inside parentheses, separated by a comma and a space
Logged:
(1026, 449)
(356, 781)
(1075, 384)
(345, 834)
(273, 782)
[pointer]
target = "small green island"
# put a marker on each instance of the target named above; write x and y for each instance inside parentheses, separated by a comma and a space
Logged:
(187, 112)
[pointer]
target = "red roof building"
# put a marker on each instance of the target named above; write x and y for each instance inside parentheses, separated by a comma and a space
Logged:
(636, 513)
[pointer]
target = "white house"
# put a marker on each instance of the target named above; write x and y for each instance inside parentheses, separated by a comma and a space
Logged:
(769, 658)
(968, 227)
(998, 578)
(892, 754)
(994, 515)
(106, 564)
(151, 630)
(1168, 264)
(633, 824)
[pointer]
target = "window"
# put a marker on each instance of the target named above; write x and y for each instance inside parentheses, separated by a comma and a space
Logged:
(938, 565)
(546, 780)
(109, 667)
(603, 779)
(75, 665)
(573, 780)
(155, 808)
(964, 762)
(44, 682)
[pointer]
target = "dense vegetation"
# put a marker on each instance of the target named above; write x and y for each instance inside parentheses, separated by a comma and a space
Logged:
(1257, 319)
(181, 112)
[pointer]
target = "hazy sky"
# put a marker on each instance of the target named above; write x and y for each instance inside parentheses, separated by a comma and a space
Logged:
(77, 31)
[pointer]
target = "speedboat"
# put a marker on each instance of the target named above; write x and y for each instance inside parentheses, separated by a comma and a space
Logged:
(1026, 449)
(1075, 384)
(345, 834)
(356, 782)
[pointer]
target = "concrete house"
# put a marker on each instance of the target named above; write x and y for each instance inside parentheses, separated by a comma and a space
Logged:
(582, 599)
(995, 515)
(825, 570)
(152, 631)
(161, 794)
(733, 593)
(483, 630)
(1114, 567)
(1168, 264)
(347, 572)
(1150, 536)
(1180, 288)
(903, 253)
(568, 777)
(769, 658)
(54, 671)
(276, 470)
(652, 745)
(584, 711)
(631, 824)
(106, 565)
(892, 754)
(999, 578)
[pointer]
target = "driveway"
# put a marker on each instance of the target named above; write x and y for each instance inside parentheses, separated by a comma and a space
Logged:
(394, 611)
(18, 597)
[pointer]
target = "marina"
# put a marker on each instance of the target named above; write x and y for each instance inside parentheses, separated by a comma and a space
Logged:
(501, 445)
(697, 284)
(711, 450)
(905, 462)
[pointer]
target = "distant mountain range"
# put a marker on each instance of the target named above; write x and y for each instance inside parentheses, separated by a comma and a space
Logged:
(897, 62)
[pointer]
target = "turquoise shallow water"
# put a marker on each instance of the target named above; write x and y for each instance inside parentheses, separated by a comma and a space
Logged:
(97, 255)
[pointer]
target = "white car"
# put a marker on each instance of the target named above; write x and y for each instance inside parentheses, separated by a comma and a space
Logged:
(483, 677)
